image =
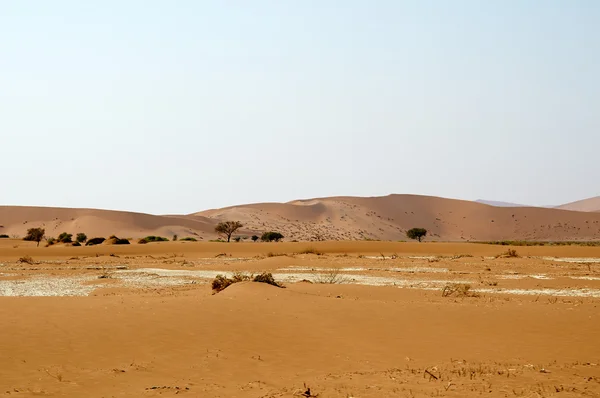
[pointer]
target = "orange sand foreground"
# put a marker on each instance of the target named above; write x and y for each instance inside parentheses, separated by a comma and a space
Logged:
(141, 320)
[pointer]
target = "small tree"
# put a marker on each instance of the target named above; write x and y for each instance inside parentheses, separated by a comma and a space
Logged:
(35, 235)
(416, 233)
(255, 238)
(271, 236)
(81, 237)
(65, 238)
(175, 237)
(228, 228)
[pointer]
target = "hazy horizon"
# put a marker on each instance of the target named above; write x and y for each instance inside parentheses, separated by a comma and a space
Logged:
(169, 108)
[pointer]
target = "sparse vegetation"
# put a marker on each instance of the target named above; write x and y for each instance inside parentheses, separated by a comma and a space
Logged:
(510, 253)
(175, 237)
(189, 239)
(237, 239)
(228, 228)
(416, 233)
(271, 236)
(95, 241)
(255, 238)
(539, 243)
(81, 237)
(152, 238)
(458, 290)
(4, 236)
(50, 241)
(26, 259)
(65, 238)
(221, 282)
(330, 277)
(35, 235)
(113, 240)
(311, 250)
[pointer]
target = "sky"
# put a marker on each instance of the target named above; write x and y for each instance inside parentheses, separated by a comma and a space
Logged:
(171, 107)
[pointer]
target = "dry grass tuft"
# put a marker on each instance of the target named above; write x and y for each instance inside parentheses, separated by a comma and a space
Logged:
(311, 250)
(331, 277)
(222, 282)
(458, 290)
(26, 259)
(510, 253)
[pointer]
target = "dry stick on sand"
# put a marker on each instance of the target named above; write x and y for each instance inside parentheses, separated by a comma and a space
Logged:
(431, 375)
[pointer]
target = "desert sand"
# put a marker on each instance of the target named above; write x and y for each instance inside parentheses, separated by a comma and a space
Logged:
(591, 204)
(142, 320)
(335, 218)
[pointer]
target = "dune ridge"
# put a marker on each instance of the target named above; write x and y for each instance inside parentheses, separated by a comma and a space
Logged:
(331, 218)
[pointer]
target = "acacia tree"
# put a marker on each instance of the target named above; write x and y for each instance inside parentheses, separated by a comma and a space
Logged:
(35, 235)
(228, 228)
(81, 237)
(416, 233)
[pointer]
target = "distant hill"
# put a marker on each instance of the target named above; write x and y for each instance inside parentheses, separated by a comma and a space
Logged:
(587, 205)
(389, 217)
(332, 218)
(498, 203)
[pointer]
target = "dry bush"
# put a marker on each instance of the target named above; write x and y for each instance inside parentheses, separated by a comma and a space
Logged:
(331, 277)
(311, 250)
(510, 253)
(221, 282)
(266, 277)
(458, 256)
(26, 259)
(458, 290)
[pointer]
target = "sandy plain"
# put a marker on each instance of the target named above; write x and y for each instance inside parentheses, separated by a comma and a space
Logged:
(142, 320)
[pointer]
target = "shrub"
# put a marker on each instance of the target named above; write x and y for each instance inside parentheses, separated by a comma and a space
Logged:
(331, 277)
(95, 241)
(266, 277)
(50, 241)
(221, 282)
(311, 250)
(458, 290)
(237, 239)
(228, 228)
(175, 237)
(152, 238)
(255, 238)
(189, 239)
(65, 238)
(35, 235)
(271, 236)
(76, 244)
(81, 237)
(4, 236)
(416, 233)
(26, 259)
(510, 253)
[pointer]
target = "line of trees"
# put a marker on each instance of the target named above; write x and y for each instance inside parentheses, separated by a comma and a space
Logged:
(226, 229)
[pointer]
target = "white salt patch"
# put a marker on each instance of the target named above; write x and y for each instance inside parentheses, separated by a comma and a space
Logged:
(545, 292)
(587, 278)
(573, 259)
(47, 287)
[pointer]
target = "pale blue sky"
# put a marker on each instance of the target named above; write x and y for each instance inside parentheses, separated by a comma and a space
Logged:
(180, 106)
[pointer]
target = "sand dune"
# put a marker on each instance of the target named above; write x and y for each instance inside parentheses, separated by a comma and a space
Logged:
(590, 205)
(389, 217)
(15, 220)
(334, 218)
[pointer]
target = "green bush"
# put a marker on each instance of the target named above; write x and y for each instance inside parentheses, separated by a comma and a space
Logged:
(152, 238)
(271, 236)
(95, 241)
(65, 238)
(189, 239)
(35, 235)
(4, 236)
(81, 237)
